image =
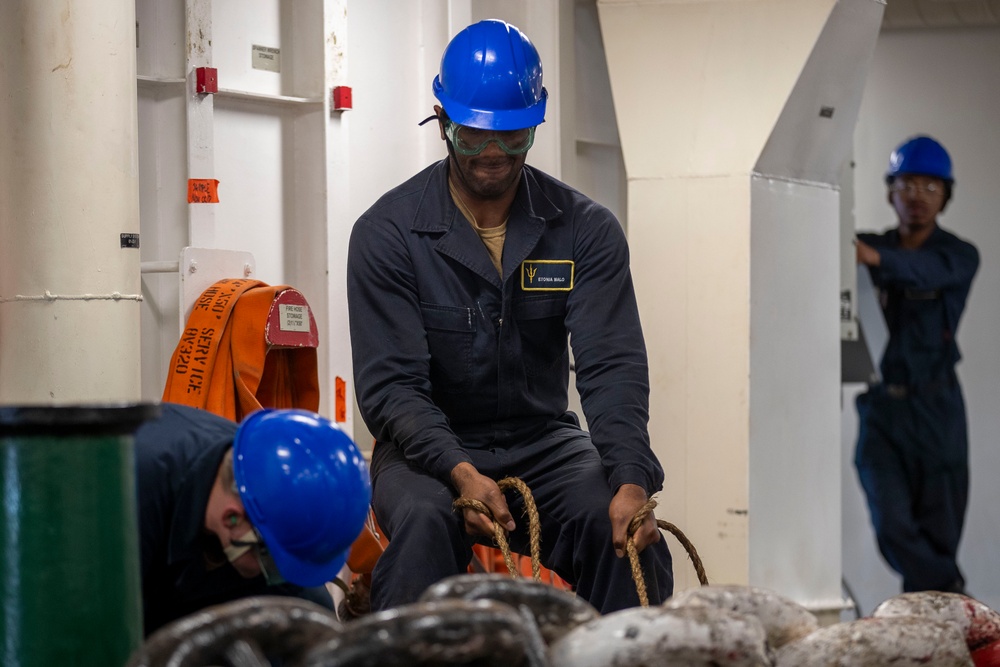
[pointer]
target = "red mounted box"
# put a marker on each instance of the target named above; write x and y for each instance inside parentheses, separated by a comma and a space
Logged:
(341, 98)
(206, 80)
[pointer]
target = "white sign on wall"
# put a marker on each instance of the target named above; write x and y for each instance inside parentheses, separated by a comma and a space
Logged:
(265, 57)
(294, 317)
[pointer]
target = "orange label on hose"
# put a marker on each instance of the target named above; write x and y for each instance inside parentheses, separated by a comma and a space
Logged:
(340, 392)
(203, 191)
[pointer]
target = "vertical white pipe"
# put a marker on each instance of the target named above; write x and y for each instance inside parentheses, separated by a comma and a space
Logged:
(69, 291)
(200, 118)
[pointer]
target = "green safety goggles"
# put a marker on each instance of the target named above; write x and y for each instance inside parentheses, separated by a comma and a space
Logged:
(473, 140)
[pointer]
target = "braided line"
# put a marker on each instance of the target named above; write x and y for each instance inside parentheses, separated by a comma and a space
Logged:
(688, 547)
(500, 533)
(534, 523)
(633, 553)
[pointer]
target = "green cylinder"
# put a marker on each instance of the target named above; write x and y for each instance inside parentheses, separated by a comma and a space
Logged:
(69, 575)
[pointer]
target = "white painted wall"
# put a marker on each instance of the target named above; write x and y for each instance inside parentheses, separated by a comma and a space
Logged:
(590, 127)
(393, 53)
(945, 83)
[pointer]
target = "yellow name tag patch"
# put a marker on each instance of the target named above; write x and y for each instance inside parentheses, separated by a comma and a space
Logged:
(547, 275)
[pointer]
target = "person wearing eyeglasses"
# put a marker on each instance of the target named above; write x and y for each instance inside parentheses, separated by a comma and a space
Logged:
(464, 285)
(269, 506)
(912, 450)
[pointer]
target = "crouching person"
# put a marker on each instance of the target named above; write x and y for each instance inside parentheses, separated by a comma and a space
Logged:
(227, 511)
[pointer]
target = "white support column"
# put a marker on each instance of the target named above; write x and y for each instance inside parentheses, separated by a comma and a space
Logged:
(69, 286)
(200, 120)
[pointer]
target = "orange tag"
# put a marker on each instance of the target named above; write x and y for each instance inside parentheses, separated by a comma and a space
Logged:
(203, 191)
(340, 392)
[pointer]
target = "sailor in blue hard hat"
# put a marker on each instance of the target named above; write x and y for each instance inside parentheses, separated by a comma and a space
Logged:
(268, 506)
(304, 487)
(465, 284)
(918, 165)
(912, 452)
(492, 99)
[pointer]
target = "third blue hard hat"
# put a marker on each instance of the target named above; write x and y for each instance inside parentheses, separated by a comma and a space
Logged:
(305, 487)
(920, 155)
(491, 78)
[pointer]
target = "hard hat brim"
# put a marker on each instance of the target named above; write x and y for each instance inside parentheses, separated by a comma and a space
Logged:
(301, 572)
(491, 119)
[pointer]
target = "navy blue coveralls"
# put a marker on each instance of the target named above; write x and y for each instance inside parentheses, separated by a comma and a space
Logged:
(184, 570)
(454, 364)
(912, 452)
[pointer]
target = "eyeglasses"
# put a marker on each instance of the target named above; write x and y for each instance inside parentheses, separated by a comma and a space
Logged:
(473, 140)
(912, 187)
(254, 541)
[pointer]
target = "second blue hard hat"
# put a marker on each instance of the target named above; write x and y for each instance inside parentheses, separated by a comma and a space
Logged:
(305, 487)
(920, 155)
(491, 78)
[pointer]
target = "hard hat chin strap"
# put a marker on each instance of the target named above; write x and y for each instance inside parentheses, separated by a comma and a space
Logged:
(252, 540)
(241, 546)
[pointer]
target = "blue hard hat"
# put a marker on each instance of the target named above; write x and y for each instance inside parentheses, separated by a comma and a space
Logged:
(305, 487)
(920, 155)
(491, 78)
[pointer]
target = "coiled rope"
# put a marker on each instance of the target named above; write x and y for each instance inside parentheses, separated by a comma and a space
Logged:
(535, 541)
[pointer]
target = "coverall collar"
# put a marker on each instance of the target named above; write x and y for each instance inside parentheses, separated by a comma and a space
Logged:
(529, 213)
(437, 212)
(188, 526)
(936, 234)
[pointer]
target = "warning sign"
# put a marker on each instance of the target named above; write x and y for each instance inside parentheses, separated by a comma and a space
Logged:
(340, 394)
(203, 191)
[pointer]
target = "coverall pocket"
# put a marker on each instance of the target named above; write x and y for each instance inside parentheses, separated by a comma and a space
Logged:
(542, 329)
(451, 331)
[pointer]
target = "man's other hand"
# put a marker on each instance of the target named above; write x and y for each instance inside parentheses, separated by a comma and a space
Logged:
(470, 484)
(866, 254)
(627, 502)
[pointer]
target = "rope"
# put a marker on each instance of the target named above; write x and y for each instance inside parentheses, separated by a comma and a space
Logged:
(534, 536)
(633, 553)
(500, 533)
